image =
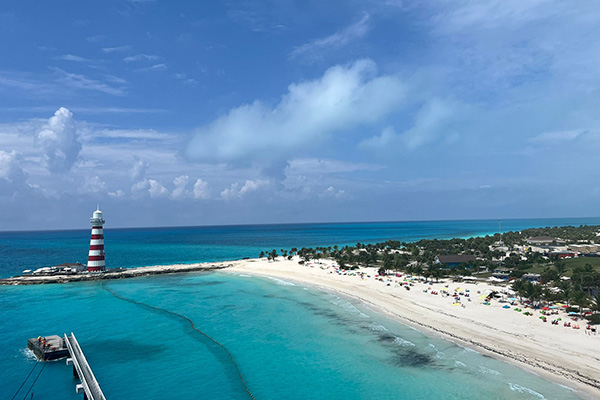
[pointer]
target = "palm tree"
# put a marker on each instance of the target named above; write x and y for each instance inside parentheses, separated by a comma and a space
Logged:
(596, 302)
(581, 299)
(518, 286)
(567, 290)
(561, 267)
(534, 292)
(418, 270)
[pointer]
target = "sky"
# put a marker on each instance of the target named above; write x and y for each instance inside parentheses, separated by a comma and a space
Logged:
(278, 111)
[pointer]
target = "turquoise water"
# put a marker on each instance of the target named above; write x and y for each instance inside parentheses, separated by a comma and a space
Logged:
(290, 342)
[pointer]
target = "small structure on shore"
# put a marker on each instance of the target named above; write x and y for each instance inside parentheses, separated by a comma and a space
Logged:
(96, 260)
(454, 260)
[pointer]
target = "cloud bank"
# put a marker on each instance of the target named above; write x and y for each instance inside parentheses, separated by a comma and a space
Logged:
(345, 97)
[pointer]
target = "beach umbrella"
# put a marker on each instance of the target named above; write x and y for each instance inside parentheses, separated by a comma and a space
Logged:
(545, 308)
(506, 306)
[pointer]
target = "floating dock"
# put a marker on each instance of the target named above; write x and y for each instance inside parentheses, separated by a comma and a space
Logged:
(48, 348)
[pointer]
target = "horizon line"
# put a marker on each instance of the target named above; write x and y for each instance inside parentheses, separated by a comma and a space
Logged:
(299, 223)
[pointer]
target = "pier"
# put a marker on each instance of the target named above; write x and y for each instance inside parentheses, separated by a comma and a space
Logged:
(82, 370)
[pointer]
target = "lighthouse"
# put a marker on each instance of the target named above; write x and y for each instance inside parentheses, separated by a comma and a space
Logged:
(96, 255)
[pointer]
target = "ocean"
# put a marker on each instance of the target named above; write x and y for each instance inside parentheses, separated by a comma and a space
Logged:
(288, 341)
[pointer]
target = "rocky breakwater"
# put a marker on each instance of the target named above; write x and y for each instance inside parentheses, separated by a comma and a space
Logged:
(120, 273)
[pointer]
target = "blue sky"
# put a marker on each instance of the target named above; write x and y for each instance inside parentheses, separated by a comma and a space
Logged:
(200, 113)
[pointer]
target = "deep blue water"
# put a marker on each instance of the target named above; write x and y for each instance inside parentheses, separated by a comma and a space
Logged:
(154, 246)
(290, 342)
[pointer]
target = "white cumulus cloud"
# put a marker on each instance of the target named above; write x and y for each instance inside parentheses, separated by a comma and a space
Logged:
(180, 192)
(10, 169)
(138, 171)
(345, 97)
(150, 187)
(201, 190)
(156, 189)
(12, 176)
(235, 191)
(60, 141)
(433, 121)
(117, 194)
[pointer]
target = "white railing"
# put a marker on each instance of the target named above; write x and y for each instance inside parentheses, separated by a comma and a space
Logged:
(88, 380)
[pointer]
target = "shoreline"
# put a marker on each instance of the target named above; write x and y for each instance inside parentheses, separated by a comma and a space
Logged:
(558, 354)
(572, 365)
(119, 274)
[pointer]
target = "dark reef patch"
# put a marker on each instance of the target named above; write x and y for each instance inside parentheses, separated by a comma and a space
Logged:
(411, 358)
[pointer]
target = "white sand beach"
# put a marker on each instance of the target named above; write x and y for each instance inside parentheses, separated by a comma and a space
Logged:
(563, 354)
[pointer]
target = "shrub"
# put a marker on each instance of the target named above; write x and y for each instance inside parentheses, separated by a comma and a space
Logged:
(594, 319)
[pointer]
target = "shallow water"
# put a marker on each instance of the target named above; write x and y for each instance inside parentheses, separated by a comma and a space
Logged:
(289, 341)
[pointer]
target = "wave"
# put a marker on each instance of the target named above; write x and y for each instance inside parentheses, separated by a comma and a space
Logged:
(522, 389)
(347, 306)
(468, 349)
(281, 282)
(566, 387)
(488, 371)
(403, 342)
(377, 328)
(28, 354)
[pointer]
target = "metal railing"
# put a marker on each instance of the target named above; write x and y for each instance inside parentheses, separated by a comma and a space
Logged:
(90, 385)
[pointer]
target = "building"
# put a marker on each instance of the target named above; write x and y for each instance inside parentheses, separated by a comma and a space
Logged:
(501, 276)
(544, 240)
(561, 254)
(531, 277)
(584, 248)
(96, 260)
(71, 267)
(455, 260)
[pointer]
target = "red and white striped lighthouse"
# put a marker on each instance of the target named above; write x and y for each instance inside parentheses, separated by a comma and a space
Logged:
(96, 256)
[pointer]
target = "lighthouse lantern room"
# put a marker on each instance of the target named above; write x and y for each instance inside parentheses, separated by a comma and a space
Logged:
(96, 256)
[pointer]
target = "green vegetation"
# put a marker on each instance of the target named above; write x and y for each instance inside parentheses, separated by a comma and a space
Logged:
(509, 252)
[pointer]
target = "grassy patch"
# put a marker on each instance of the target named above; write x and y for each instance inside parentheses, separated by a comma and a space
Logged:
(581, 261)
